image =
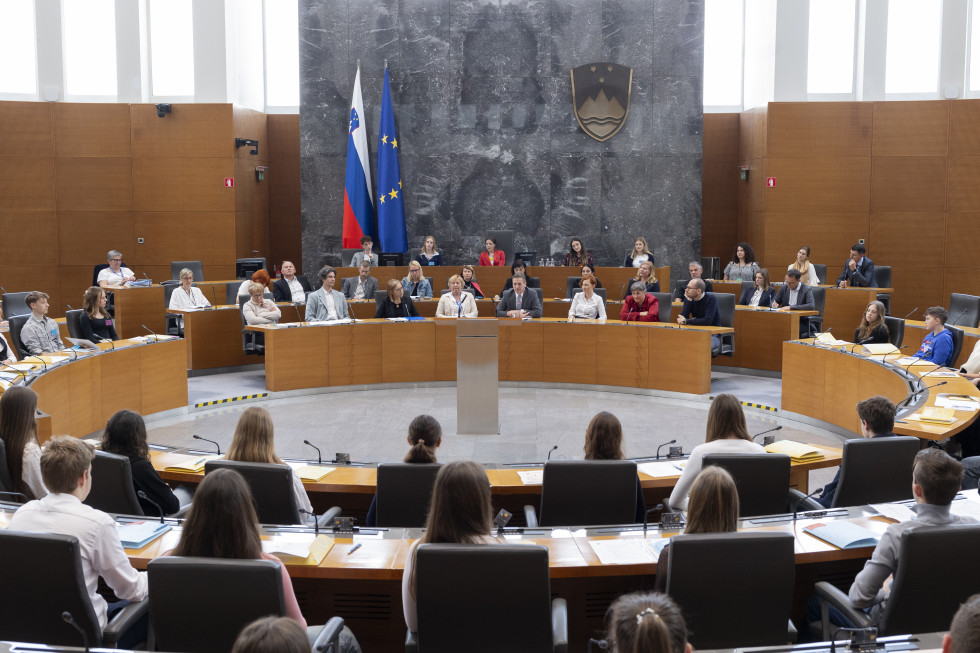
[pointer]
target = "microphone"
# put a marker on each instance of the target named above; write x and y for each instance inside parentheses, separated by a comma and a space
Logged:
(146, 277)
(3, 289)
(214, 299)
(69, 307)
(796, 507)
(112, 345)
(769, 440)
(910, 312)
(918, 392)
(959, 316)
(316, 522)
(142, 495)
(622, 291)
(40, 360)
(601, 644)
(549, 452)
(664, 445)
(156, 338)
(197, 437)
(646, 515)
(629, 315)
(299, 318)
(319, 458)
(70, 620)
(17, 495)
(501, 520)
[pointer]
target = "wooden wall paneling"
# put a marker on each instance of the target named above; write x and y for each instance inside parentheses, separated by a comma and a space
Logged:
(719, 185)
(41, 228)
(27, 183)
(819, 129)
(248, 123)
(916, 287)
(962, 240)
(446, 350)
(85, 237)
(908, 183)
(92, 130)
(94, 183)
(407, 352)
(752, 140)
(123, 390)
(719, 229)
(754, 233)
(347, 363)
(208, 237)
(963, 189)
(677, 360)
(26, 130)
(285, 216)
(622, 356)
(892, 240)
(752, 192)
(43, 278)
(828, 235)
(191, 130)
(819, 184)
(520, 347)
(220, 272)
(86, 405)
(53, 394)
(73, 281)
(190, 184)
(961, 280)
(296, 358)
(719, 136)
(163, 371)
(964, 128)
(911, 128)
(570, 353)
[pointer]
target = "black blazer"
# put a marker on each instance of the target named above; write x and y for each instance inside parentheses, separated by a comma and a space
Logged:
(388, 308)
(766, 300)
(281, 291)
(862, 277)
(878, 337)
(804, 297)
(532, 282)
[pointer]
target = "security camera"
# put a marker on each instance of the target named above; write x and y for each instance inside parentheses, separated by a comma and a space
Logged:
(163, 109)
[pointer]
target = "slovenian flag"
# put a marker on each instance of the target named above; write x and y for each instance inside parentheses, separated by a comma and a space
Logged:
(358, 204)
(391, 209)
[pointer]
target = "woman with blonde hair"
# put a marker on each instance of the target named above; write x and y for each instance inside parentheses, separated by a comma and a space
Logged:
(255, 442)
(872, 329)
(396, 304)
(645, 275)
(260, 277)
(429, 255)
(468, 273)
(415, 284)
(807, 269)
(604, 441)
(646, 622)
(456, 302)
(96, 322)
(640, 253)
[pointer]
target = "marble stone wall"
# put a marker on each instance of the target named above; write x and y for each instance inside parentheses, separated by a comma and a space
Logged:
(486, 129)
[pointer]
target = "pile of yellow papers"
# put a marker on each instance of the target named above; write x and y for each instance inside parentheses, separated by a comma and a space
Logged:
(934, 414)
(797, 451)
(312, 473)
(298, 548)
(180, 462)
(880, 349)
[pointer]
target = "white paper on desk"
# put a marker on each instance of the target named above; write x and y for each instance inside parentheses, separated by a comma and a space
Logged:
(397, 319)
(896, 511)
(910, 360)
(532, 477)
(946, 374)
(971, 495)
(659, 470)
(22, 367)
(294, 544)
(57, 359)
(965, 508)
(632, 551)
(946, 402)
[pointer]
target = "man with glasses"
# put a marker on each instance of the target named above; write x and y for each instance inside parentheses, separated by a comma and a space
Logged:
(700, 309)
(115, 276)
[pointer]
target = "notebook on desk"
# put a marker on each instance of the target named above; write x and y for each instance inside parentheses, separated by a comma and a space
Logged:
(797, 451)
(843, 534)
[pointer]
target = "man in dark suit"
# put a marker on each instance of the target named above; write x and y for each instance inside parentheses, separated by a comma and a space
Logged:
(291, 287)
(701, 309)
(859, 271)
(519, 302)
(363, 286)
(795, 296)
(680, 290)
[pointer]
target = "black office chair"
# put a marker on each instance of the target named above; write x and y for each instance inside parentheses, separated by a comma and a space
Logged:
(896, 330)
(17, 323)
(6, 484)
(571, 283)
(957, 334)
(13, 304)
(664, 302)
(73, 320)
(510, 607)
(679, 287)
(811, 325)
(746, 285)
(194, 266)
(41, 576)
(762, 481)
(925, 593)
(821, 271)
(175, 326)
(505, 242)
(404, 490)
(883, 279)
(253, 343)
(747, 603)
(231, 292)
(581, 492)
(444, 291)
(227, 596)
(726, 313)
(964, 310)
(112, 485)
(379, 298)
(876, 470)
(540, 293)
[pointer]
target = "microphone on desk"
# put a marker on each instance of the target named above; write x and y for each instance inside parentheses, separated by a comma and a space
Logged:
(69, 307)
(142, 495)
(40, 360)
(769, 439)
(550, 452)
(319, 458)
(112, 345)
(4, 290)
(146, 277)
(910, 312)
(214, 298)
(628, 316)
(917, 359)
(156, 338)
(316, 522)
(796, 507)
(646, 515)
(70, 620)
(917, 393)
(959, 316)
(218, 446)
(299, 318)
(674, 441)
(18, 495)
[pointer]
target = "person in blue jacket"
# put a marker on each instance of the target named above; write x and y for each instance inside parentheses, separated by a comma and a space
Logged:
(937, 346)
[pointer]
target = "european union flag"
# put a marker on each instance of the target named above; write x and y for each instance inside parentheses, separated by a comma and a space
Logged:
(391, 210)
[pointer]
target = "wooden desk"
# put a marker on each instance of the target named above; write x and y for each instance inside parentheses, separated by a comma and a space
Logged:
(135, 307)
(214, 336)
(915, 331)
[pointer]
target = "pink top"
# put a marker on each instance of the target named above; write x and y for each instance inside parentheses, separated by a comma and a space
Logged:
(292, 607)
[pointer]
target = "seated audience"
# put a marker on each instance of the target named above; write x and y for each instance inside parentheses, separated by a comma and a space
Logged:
(429, 255)
(742, 267)
(577, 255)
(415, 284)
(872, 329)
(125, 435)
(964, 631)
(291, 287)
(66, 467)
(937, 346)
(695, 270)
(187, 295)
(396, 304)
(700, 309)
(807, 269)
(859, 271)
(460, 513)
(115, 276)
(587, 305)
(640, 306)
(260, 277)
(713, 508)
(516, 268)
(646, 623)
(604, 441)
(18, 430)
(456, 303)
(272, 635)
(255, 442)
(95, 321)
(645, 275)
(587, 270)
(640, 253)
(40, 334)
(520, 301)
(493, 256)
(326, 303)
(424, 437)
(258, 309)
(469, 281)
(725, 433)
(761, 293)
(367, 253)
(363, 286)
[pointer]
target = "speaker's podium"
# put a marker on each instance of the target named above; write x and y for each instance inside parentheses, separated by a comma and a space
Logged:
(476, 377)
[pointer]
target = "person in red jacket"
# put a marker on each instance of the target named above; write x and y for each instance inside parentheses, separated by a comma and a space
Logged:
(640, 306)
(492, 256)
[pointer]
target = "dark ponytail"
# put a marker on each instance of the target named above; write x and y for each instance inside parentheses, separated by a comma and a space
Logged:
(645, 623)
(425, 434)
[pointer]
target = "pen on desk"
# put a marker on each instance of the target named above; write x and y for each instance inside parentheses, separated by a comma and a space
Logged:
(354, 548)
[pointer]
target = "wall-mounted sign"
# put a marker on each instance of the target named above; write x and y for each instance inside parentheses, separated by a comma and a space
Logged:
(601, 98)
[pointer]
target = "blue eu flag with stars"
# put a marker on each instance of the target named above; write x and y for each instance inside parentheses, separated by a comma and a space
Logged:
(391, 209)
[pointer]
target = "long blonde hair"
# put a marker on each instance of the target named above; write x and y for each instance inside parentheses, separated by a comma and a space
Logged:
(796, 264)
(416, 264)
(713, 504)
(726, 419)
(254, 440)
(653, 275)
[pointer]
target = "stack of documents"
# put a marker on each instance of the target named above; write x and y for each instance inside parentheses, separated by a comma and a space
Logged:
(137, 534)
(532, 477)
(880, 349)
(843, 534)
(310, 473)
(298, 548)
(933, 414)
(661, 469)
(627, 551)
(797, 451)
(181, 462)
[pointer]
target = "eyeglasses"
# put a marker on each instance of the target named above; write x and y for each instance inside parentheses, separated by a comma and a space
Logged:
(115, 260)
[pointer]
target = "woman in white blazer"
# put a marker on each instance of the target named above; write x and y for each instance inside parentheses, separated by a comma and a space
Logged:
(456, 303)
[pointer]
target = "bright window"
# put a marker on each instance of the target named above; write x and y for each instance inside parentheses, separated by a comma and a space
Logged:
(723, 25)
(18, 74)
(282, 53)
(912, 53)
(90, 47)
(830, 59)
(975, 48)
(172, 47)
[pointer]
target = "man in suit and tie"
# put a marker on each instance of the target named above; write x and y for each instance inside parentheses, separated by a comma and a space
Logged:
(291, 287)
(795, 296)
(519, 301)
(361, 287)
(859, 271)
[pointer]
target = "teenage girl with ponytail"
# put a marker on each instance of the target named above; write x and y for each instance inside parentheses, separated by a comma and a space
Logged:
(424, 436)
(646, 623)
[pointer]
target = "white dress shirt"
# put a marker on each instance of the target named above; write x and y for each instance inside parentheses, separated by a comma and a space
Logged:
(589, 308)
(31, 470)
(101, 551)
(793, 294)
(179, 298)
(296, 290)
(756, 296)
(114, 278)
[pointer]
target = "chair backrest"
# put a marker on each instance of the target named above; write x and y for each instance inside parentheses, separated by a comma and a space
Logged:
(726, 605)
(404, 490)
(112, 485)
(896, 330)
(505, 242)
(471, 291)
(32, 610)
(925, 595)
(762, 480)
(193, 266)
(588, 492)
(272, 489)
(379, 297)
(571, 283)
(14, 304)
(711, 267)
(73, 319)
(507, 605)
(964, 310)
(726, 308)
(821, 271)
(17, 323)
(169, 287)
(746, 285)
(99, 268)
(883, 276)
(347, 255)
(957, 334)
(6, 484)
(231, 292)
(599, 291)
(227, 596)
(664, 302)
(876, 470)
(819, 299)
